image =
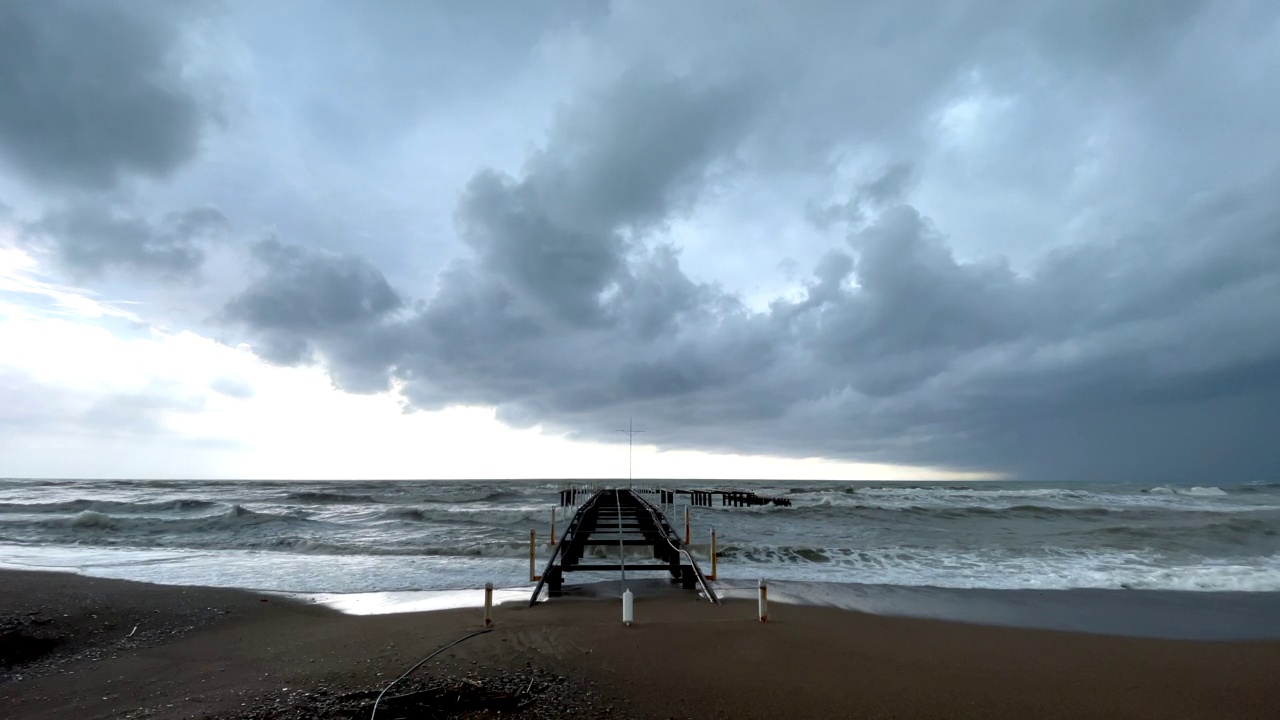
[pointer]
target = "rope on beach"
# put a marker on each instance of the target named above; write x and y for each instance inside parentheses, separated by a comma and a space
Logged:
(421, 662)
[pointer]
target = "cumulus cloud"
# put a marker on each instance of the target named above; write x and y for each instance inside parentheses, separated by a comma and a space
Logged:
(617, 163)
(305, 297)
(95, 91)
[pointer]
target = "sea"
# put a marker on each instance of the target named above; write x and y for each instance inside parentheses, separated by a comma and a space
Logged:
(884, 544)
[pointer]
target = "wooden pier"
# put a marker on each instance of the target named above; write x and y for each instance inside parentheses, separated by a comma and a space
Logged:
(619, 518)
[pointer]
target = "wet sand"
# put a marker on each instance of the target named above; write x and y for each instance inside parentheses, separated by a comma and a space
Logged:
(69, 649)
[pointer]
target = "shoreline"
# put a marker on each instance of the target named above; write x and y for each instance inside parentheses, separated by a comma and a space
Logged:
(219, 653)
(1141, 613)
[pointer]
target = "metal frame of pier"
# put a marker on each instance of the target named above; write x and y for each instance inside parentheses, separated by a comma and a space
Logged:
(621, 518)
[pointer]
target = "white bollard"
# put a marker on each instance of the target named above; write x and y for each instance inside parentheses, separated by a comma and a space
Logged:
(488, 604)
(764, 601)
(628, 608)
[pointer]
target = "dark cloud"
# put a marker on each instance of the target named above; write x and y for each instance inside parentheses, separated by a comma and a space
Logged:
(304, 297)
(616, 163)
(915, 308)
(1113, 36)
(91, 237)
(95, 90)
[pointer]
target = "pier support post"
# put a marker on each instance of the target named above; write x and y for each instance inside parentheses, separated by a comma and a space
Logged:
(553, 528)
(712, 576)
(686, 524)
(488, 604)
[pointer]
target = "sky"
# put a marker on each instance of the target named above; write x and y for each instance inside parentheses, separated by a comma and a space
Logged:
(880, 240)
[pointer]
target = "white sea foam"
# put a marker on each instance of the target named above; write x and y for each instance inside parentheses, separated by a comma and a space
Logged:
(406, 601)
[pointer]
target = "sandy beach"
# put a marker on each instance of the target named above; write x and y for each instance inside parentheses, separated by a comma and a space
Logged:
(70, 649)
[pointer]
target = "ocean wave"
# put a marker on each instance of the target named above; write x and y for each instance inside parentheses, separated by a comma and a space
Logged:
(870, 508)
(1257, 487)
(311, 546)
(536, 516)
(1192, 491)
(469, 495)
(1236, 530)
(320, 497)
(838, 505)
(918, 498)
(109, 506)
(289, 544)
(997, 568)
(412, 514)
(234, 517)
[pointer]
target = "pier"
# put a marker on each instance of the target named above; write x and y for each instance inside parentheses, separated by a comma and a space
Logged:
(728, 498)
(620, 518)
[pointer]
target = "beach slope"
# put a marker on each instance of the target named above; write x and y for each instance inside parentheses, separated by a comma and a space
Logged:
(92, 648)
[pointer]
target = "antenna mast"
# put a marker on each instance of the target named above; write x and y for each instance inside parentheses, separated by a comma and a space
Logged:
(631, 434)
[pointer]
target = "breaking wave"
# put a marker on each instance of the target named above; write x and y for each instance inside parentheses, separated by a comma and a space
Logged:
(1193, 491)
(233, 518)
(109, 506)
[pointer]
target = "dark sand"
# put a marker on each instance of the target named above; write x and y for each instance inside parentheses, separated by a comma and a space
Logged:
(205, 653)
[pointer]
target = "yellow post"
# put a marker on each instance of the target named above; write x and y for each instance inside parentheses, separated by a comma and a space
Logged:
(553, 527)
(686, 524)
(533, 548)
(712, 576)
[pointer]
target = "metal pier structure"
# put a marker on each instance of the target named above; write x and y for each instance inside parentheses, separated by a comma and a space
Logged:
(619, 518)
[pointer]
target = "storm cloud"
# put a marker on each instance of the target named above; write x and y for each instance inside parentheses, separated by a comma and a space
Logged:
(304, 297)
(95, 91)
(571, 314)
(1036, 239)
